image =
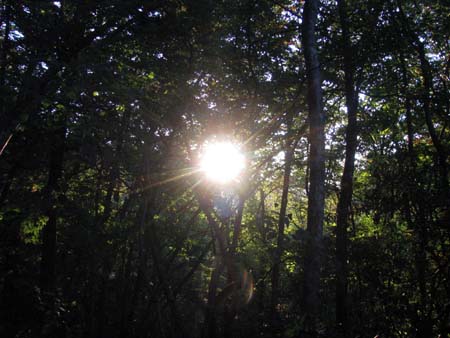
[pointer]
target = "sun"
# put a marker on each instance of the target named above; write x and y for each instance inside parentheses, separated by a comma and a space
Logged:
(222, 162)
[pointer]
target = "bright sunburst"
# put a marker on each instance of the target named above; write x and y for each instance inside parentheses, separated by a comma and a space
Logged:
(222, 161)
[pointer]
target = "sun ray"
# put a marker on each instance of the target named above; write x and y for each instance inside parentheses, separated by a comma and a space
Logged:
(174, 178)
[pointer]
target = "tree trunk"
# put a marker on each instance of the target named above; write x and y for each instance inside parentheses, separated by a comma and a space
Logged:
(51, 191)
(152, 242)
(441, 151)
(210, 325)
(345, 196)
(409, 125)
(230, 311)
(289, 155)
(418, 225)
(428, 89)
(4, 50)
(316, 196)
(237, 226)
(48, 254)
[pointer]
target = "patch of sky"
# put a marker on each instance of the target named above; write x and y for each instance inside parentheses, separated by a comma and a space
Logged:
(15, 35)
(43, 65)
(154, 14)
(279, 158)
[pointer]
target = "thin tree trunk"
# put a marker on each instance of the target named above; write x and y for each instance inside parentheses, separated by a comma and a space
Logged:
(441, 151)
(346, 192)
(261, 214)
(210, 326)
(423, 323)
(48, 253)
(210, 323)
(176, 325)
(237, 227)
(142, 262)
(418, 224)
(126, 289)
(4, 50)
(222, 259)
(316, 196)
(4, 189)
(289, 155)
(230, 311)
(49, 230)
(428, 89)
(409, 125)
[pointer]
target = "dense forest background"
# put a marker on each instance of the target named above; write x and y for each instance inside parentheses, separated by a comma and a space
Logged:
(339, 225)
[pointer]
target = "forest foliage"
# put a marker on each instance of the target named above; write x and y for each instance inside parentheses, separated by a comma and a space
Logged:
(338, 226)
